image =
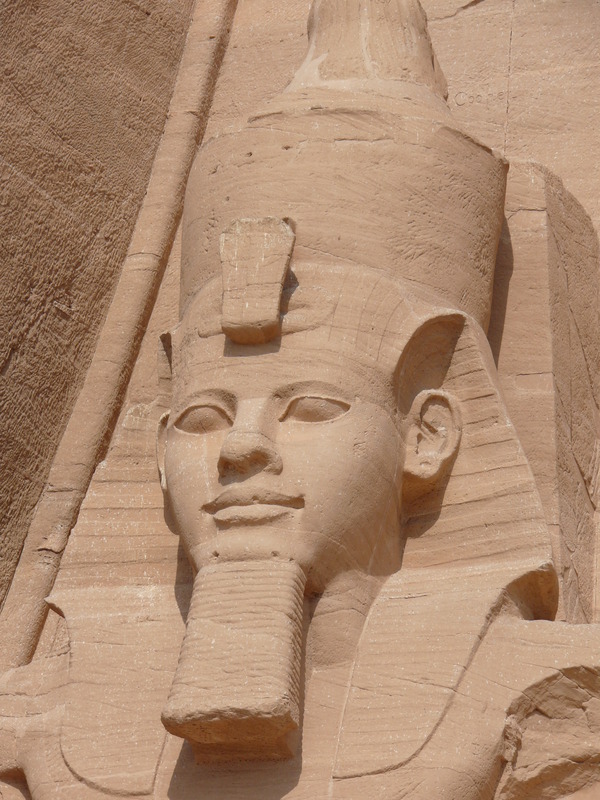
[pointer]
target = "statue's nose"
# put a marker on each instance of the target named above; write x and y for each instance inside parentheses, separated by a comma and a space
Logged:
(247, 452)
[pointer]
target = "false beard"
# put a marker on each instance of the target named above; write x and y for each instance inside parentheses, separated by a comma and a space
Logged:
(237, 687)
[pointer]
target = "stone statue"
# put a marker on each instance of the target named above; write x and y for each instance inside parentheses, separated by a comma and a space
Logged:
(373, 592)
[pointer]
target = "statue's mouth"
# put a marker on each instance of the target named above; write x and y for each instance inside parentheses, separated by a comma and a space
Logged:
(237, 496)
(240, 504)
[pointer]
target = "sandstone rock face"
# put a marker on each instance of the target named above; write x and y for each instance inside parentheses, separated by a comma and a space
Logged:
(85, 92)
(340, 538)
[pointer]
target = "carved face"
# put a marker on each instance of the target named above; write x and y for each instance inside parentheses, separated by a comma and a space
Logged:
(291, 454)
(284, 452)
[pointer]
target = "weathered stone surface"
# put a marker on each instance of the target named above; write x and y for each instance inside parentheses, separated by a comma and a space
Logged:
(84, 91)
(356, 555)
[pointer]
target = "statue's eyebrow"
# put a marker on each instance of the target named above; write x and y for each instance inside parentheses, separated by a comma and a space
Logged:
(205, 395)
(311, 388)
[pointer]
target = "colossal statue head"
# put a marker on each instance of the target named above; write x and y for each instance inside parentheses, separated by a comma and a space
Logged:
(337, 267)
(296, 448)
(317, 238)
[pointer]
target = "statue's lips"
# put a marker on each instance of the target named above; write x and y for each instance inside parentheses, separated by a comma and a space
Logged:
(241, 504)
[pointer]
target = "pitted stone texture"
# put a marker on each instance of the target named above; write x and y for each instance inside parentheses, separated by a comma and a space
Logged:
(85, 89)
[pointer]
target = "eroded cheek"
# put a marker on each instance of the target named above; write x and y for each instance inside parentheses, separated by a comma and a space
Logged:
(191, 473)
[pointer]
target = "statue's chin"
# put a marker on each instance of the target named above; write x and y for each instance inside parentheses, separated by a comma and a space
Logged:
(319, 558)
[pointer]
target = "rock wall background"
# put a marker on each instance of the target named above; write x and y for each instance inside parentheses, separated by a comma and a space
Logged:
(84, 91)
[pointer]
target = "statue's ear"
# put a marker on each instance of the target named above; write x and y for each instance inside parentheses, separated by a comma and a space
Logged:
(164, 400)
(432, 421)
(161, 444)
(432, 431)
(163, 365)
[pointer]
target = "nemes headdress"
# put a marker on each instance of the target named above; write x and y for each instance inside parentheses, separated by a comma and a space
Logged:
(360, 161)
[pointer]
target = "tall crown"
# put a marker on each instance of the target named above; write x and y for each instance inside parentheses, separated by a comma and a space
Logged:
(361, 156)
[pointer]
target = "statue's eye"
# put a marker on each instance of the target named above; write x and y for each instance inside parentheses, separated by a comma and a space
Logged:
(203, 419)
(315, 409)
